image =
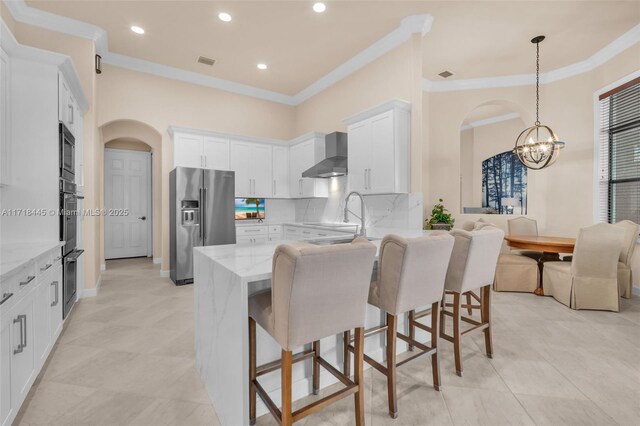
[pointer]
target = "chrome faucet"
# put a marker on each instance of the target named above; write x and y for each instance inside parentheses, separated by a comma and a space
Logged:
(363, 231)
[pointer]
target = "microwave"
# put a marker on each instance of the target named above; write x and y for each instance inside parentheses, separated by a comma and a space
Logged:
(67, 154)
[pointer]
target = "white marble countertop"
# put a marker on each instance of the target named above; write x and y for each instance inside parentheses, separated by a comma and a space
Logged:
(333, 226)
(15, 255)
(252, 262)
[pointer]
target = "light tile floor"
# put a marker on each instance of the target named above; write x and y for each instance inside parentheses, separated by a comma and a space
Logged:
(126, 357)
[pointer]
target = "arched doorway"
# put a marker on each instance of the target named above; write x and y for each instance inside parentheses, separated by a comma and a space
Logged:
(131, 139)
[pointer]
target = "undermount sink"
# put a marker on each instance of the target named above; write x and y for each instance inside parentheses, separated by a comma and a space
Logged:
(337, 240)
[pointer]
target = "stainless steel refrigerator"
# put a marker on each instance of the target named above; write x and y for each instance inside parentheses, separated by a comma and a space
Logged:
(202, 213)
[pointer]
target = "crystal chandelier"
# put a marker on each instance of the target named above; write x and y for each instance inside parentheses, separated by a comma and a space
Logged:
(538, 146)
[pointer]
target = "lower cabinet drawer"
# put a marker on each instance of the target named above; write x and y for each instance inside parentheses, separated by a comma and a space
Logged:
(242, 231)
(252, 240)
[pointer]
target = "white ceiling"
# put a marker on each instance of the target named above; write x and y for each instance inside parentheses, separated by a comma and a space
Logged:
(470, 39)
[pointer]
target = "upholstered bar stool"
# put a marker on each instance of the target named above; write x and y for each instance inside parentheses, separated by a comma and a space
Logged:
(411, 274)
(316, 292)
(472, 266)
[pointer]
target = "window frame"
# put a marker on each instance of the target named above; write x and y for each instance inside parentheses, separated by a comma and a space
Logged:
(597, 132)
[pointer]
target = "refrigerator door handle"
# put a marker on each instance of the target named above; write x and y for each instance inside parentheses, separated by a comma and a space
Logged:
(202, 215)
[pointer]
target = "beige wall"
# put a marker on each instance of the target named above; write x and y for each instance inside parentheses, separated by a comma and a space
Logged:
(467, 188)
(159, 103)
(561, 197)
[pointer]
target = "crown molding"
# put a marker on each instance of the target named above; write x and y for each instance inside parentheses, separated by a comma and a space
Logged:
(62, 62)
(26, 14)
(408, 26)
(602, 56)
(421, 24)
(306, 137)
(490, 120)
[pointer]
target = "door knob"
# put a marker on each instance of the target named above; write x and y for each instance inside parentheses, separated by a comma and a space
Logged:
(142, 218)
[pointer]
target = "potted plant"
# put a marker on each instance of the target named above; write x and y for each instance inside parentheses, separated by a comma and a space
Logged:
(441, 218)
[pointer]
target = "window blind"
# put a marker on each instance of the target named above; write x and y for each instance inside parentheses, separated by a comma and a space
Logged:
(619, 154)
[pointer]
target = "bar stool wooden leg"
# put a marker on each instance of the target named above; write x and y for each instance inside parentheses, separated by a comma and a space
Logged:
(391, 365)
(252, 371)
(485, 311)
(469, 310)
(443, 304)
(457, 337)
(412, 328)
(316, 367)
(435, 362)
(346, 341)
(287, 417)
(359, 375)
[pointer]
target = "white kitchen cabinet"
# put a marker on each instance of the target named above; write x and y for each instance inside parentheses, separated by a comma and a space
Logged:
(207, 152)
(5, 370)
(379, 148)
(55, 302)
(215, 151)
(187, 151)
(41, 319)
(280, 172)
(240, 163)
(68, 110)
(303, 156)
(5, 119)
(251, 163)
(21, 349)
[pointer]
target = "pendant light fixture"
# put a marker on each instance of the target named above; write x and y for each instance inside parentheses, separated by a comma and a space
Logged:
(538, 146)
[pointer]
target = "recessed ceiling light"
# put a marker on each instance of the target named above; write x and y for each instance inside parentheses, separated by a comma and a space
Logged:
(136, 29)
(262, 66)
(319, 7)
(224, 16)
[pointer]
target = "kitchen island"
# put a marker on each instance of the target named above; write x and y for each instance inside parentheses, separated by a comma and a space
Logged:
(224, 278)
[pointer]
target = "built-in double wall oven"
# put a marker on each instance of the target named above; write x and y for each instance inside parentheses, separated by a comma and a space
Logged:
(68, 219)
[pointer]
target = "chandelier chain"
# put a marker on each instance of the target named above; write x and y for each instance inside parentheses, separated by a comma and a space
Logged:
(537, 83)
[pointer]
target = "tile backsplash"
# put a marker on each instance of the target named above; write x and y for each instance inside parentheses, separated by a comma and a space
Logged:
(382, 211)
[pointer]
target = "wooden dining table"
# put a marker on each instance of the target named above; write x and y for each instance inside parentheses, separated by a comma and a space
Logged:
(551, 247)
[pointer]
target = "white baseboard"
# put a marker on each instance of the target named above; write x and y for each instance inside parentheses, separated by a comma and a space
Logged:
(91, 292)
(164, 274)
(157, 260)
(103, 266)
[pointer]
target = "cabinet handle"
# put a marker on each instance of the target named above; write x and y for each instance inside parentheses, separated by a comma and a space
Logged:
(47, 266)
(29, 279)
(71, 114)
(205, 160)
(306, 232)
(274, 187)
(57, 258)
(366, 180)
(55, 302)
(300, 186)
(23, 333)
(5, 297)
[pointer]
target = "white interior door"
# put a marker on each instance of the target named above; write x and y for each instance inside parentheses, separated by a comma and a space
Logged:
(127, 201)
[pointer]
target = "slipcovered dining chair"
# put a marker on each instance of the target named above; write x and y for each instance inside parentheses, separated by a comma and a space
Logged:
(316, 292)
(524, 226)
(590, 281)
(625, 279)
(472, 266)
(411, 275)
(516, 273)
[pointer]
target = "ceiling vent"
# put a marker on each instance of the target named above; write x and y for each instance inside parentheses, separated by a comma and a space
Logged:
(206, 61)
(445, 74)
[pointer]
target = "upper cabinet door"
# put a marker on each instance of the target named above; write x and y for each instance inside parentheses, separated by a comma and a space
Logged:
(64, 93)
(261, 171)
(240, 162)
(280, 172)
(359, 155)
(187, 151)
(296, 154)
(307, 160)
(381, 175)
(216, 153)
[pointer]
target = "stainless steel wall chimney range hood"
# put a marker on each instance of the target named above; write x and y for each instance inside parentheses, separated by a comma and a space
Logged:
(335, 163)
